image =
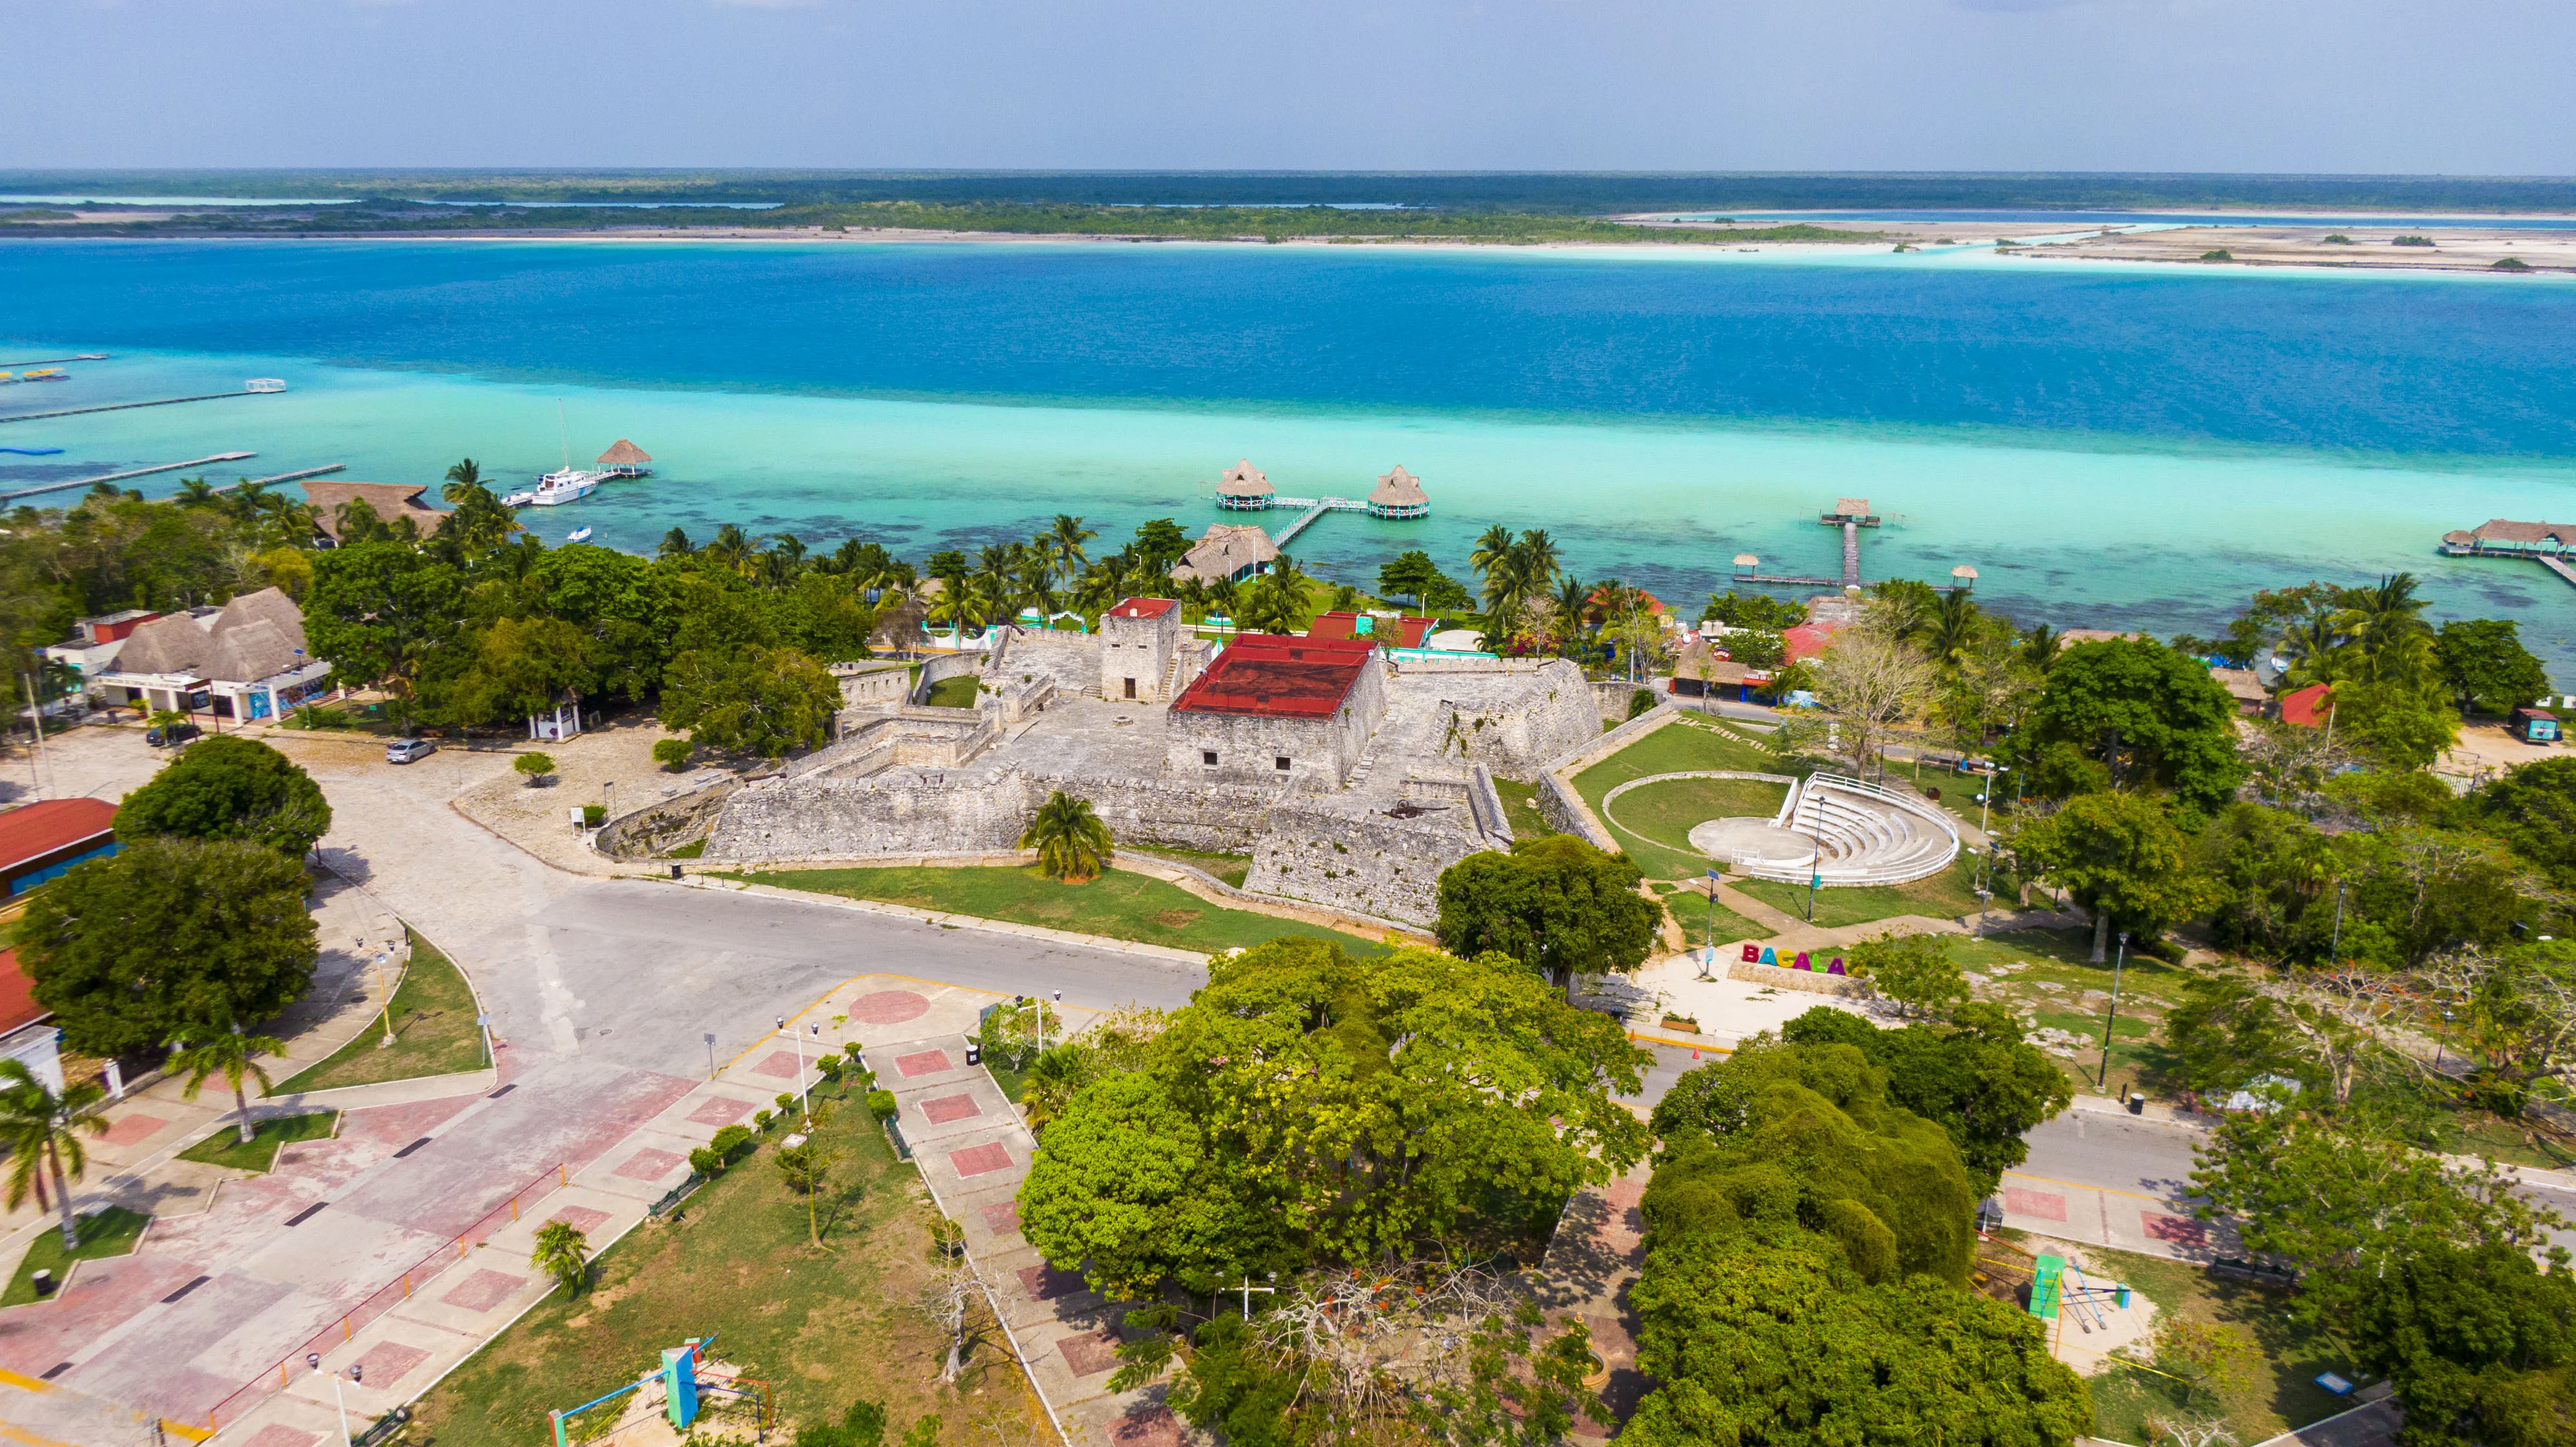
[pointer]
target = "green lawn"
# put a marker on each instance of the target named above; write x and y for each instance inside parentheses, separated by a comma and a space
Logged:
(1654, 822)
(225, 1148)
(1946, 895)
(2272, 1386)
(691, 850)
(822, 1327)
(434, 1032)
(1693, 913)
(1118, 905)
(1234, 869)
(1520, 805)
(958, 692)
(1678, 747)
(110, 1232)
(2021, 967)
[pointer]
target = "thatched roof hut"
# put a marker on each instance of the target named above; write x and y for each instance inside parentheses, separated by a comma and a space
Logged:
(1229, 551)
(1243, 486)
(1398, 495)
(624, 454)
(391, 501)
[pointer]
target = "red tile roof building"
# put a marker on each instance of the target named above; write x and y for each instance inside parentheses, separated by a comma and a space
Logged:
(2308, 707)
(1271, 706)
(39, 841)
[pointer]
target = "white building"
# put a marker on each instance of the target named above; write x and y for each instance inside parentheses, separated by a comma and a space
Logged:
(244, 661)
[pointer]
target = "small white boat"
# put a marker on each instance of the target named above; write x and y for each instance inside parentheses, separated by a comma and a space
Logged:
(578, 535)
(559, 487)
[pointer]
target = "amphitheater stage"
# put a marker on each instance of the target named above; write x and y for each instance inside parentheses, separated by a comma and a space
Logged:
(1751, 841)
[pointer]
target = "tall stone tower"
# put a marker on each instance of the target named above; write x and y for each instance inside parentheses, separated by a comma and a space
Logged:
(1138, 640)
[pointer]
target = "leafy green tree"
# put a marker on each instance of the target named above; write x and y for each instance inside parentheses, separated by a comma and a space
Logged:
(380, 611)
(510, 669)
(2138, 712)
(671, 754)
(2479, 1342)
(1914, 970)
(533, 766)
(562, 1252)
(823, 616)
(2275, 875)
(1072, 843)
(1977, 1079)
(1409, 575)
(2345, 1202)
(2226, 1034)
(1554, 904)
(208, 1051)
(807, 1169)
(2486, 667)
(763, 701)
(1758, 648)
(625, 606)
(229, 787)
(2122, 858)
(42, 1129)
(165, 934)
(2533, 809)
(1309, 1108)
(1806, 1271)
(1752, 610)
(2398, 725)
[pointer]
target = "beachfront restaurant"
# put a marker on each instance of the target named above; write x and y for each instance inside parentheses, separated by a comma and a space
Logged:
(245, 661)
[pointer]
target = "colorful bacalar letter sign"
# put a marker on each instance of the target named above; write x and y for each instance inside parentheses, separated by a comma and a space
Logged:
(1798, 960)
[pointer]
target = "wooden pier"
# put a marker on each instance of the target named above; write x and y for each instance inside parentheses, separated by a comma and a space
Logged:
(282, 477)
(51, 361)
(121, 406)
(122, 476)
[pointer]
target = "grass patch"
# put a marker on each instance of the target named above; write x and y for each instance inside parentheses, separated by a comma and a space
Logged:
(434, 1032)
(958, 692)
(110, 1232)
(691, 850)
(1681, 746)
(821, 1327)
(1692, 911)
(1118, 905)
(226, 1148)
(1946, 895)
(1666, 813)
(1520, 805)
(1234, 869)
(2273, 1388)
(2046, 977)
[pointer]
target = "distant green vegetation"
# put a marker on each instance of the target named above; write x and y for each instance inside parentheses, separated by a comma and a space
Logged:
(2220, 254)
(2338, 239)
(2411, 241)
(2511, 263)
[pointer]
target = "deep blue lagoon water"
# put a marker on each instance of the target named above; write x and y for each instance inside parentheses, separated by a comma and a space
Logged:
(2107, 444)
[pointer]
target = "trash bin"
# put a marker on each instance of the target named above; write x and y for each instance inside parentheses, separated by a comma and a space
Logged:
(675, 871)
(43, 1281)
(2137, 1105)
(974, 1053)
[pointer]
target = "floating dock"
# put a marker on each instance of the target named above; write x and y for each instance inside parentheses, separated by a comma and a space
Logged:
(121, 406)
(122, 476)
(1850, 514)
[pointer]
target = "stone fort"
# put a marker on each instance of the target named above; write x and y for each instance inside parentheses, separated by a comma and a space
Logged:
(1352, 779)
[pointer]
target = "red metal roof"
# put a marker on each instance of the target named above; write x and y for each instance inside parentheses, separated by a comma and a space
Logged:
(1807, 640)
(2306, 707)
(37, 830)
(1386, 632)
(17, 995)
(1143, 607)
(1274, 677)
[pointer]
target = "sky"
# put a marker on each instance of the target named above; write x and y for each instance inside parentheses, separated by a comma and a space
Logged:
(2376, 86)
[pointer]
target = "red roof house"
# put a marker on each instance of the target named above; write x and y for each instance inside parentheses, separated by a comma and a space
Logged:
(39, 841)
(2308, 707)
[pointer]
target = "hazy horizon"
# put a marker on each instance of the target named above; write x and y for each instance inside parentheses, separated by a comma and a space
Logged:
(2298, 87)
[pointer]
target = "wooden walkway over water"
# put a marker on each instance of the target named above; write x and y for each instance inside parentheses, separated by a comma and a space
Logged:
(122, 476)
(121, 406)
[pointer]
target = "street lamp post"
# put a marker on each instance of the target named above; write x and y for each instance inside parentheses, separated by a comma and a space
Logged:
(1815, 876)
(711, 1055)
(1708, 959)
(2103, 1080)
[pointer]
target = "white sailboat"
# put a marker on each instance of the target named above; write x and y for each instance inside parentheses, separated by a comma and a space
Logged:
(560, 487)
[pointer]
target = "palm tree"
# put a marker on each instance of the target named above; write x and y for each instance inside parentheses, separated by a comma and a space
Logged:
(563, 1253)
(996, 569)
(43, 1132)
(675, 544)
(2039, 647)
(732, 547)
(1492, 547)
(463, 481)
(2314, 649)
(1537, 554)
(1276, 601)
(1573, 601)
(196, 492)
(789, 550)
(1225, 598)
(1063, 542)
(1036, 579)
(1951, 626)
(1053, 1078)
(232, 1055)
(1071, 842)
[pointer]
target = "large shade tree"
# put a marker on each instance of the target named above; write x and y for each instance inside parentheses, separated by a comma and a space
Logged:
(2128, 711)
(164, 936)
(229, 787)
(1307, 1108)
(1555, 904)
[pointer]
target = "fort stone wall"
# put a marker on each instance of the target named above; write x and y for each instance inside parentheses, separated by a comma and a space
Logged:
(1358, 862)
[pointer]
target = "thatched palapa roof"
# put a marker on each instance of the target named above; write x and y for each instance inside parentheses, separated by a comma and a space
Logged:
(391, 501)
(1398, 489)
(624, 454)
(1227, 550)
(1243, 480)
(257, 635)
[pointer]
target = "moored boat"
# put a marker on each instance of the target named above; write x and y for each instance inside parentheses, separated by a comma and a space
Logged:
(578, 535)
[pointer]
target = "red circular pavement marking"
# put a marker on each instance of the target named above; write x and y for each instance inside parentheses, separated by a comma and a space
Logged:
(888, 1007)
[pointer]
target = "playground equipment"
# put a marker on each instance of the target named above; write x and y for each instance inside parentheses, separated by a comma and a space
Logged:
(678, 1376)
(2054, 1297)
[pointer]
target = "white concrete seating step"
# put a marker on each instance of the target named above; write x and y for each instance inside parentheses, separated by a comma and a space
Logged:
(1865, 835)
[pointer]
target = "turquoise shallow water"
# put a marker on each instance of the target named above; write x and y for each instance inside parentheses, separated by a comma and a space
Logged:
(2109, 446)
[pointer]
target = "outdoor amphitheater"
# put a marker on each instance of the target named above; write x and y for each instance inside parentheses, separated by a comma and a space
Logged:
(1840, 830)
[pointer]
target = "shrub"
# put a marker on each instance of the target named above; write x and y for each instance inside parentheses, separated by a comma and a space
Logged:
(2220, 254)
(830, 1066)
(881, 1104)
(786, 1100)
(2510, 263)
(2411, 241)
(706, 1162)
(672, 754)
(593, 815)
(533, 767)
(1640, 701)
(1914, 970)
(760, 1119)
(2338, 239)
(729, 1141)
